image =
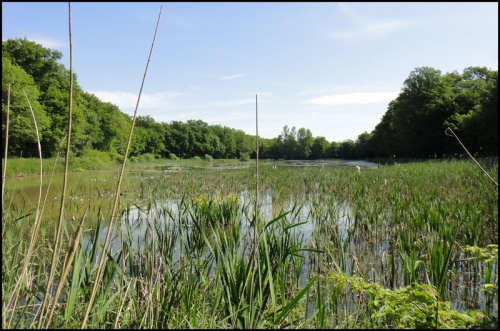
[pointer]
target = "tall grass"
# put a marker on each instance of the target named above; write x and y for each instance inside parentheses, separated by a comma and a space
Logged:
(401, 246)
(187, 248)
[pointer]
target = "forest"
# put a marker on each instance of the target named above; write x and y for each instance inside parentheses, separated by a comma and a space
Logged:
(413, 125)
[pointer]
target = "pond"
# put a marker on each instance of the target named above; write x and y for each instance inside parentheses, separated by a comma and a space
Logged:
(333, 217)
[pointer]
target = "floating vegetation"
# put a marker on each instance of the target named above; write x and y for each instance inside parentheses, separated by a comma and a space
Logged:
(337, 248)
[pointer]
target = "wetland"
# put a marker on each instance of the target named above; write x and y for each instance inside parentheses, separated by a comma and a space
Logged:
(303, 244)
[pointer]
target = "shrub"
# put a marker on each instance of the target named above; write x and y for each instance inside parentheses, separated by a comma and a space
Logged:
(104, 156)
(172, 156)
(146, 157)
(244, 156)
(116, 157)
(86, 163)
(196, 158)
(208, 158)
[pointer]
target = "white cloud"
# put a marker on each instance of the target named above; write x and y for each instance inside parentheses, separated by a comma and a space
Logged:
(366, 28)
(233, 76)
(376, 29)
(233, 103)
(354, 98)
(127, 100)
(371, 30)
(50, 43)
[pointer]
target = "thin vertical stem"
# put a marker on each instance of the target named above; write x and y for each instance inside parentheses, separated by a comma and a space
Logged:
(67, 264)
(65, 179)
(6, 141)
(256, 222)
(256, 157)
(117, 195)
(37, 219)
(472, 157)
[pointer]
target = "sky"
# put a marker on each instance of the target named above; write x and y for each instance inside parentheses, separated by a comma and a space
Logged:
(329, 67)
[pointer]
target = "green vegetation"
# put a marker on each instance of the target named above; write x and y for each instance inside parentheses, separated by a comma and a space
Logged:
(412, 127)
(180, 238)
(399, 246)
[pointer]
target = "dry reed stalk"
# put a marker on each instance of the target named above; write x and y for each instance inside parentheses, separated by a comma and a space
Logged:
(472, 157)
(117, 195)
(65, 180)
(255, 226)
(52, 175)
(5, 157)
(121, 306)
(67, 264)
(256, 158)
(6, 142)
(256, 222)
(24, 270)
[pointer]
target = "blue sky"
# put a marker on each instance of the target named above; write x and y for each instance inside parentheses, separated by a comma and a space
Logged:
(329, 67)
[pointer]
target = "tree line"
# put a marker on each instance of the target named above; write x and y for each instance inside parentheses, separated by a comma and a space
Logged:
(413, 125)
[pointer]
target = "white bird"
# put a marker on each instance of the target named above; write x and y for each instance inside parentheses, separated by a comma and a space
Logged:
(358, 168)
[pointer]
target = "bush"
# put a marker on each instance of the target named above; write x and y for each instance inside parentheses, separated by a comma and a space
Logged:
(172, 156)
(146, 157)
(116, 157)
(103, 156)
(208, 158)
(86, 163)
(196, 158)
(244, 156)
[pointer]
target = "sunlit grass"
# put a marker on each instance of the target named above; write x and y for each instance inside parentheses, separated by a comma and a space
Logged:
(185, 258)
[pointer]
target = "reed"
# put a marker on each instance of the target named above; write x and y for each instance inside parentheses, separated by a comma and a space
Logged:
(6, 147)
(193, 248)
(58, 239)
(25, 270)
(270, 247)
(108, 235)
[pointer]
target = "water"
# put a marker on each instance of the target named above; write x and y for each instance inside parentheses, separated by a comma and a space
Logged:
(142, 221)
(356, 256)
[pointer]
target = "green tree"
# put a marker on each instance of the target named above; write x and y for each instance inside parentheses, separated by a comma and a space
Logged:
(227, 140)
(347, 149)
(488, 133)
(319, 148)
(139, 141)
(419, 112)
(287, 143)
(91, 133)
(333, 150)
(115, 128)
(475, 119)
(304, 143)
(363, 149)
(383, 141)
(177, 140)
(245, 144)
(52, 80)
(153, 135)
(38, 61)
(22, 134)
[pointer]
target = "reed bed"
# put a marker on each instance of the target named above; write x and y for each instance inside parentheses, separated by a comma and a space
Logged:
(413, 245)
(191, 246)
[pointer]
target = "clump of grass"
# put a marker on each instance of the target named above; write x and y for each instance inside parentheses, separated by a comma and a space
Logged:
(220, 210)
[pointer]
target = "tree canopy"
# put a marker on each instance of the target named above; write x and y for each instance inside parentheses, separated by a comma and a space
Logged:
(413, 125)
